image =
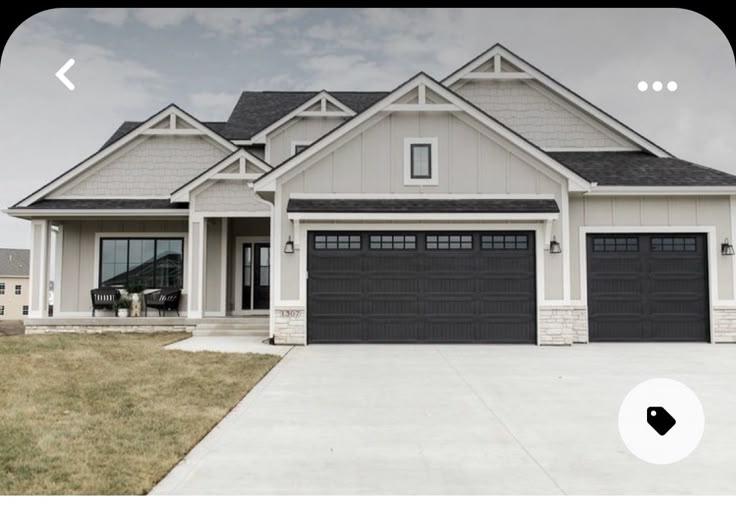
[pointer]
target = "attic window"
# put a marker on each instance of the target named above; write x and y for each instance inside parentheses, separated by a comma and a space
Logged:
(420, 161)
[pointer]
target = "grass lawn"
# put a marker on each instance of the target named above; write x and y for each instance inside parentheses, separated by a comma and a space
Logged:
(109, 414)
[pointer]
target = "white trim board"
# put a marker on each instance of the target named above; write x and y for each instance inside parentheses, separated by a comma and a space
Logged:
(123, 141)
(422, 196)
(92, 213)
(422, 217)
(266, 183)
(713, 252)
(558, 88)
(608, 191)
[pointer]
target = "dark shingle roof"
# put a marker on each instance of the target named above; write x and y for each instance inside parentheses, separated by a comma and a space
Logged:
(623, 168)
(106, 204)
(256, 110)
(14, 262)
(422, 206)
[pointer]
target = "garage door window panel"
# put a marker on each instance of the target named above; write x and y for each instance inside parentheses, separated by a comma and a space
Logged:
(449, 242)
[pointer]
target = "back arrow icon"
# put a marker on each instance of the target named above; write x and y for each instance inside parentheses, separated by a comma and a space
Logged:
(60, 74)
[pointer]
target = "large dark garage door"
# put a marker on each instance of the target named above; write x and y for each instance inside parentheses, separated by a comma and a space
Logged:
(647, 287)
(428, 287)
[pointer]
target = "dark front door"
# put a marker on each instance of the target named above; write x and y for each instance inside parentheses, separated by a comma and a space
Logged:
(648, 287)
(256, 276)
(421, 287)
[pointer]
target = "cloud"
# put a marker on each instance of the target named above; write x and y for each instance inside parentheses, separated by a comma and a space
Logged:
(222, 22)
(114, 17)
(44, 128)
(208, 105)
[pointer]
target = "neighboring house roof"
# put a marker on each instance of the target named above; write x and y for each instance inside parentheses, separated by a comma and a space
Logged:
(14, 262)
(107, 204)
(422, 206)
(616, 168)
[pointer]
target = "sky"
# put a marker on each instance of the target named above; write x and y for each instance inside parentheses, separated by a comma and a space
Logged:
(132, 62)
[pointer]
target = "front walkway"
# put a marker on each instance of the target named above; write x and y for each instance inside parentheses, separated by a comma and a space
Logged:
(399, 419)
(229, 344)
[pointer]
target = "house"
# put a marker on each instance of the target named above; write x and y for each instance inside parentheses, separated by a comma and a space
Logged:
(14, 267)
(495, 205)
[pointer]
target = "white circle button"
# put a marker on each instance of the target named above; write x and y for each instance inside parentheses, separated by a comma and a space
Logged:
(657, 85)
(643, 86)
(661, 421)
(672, 85)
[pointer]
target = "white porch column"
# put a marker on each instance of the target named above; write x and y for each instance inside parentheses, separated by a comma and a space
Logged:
(39, 275)
(195, 267)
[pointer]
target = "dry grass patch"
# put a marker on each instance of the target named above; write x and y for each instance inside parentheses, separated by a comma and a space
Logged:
(109, 414)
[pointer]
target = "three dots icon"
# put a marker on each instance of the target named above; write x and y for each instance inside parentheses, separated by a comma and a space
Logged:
(657, 86)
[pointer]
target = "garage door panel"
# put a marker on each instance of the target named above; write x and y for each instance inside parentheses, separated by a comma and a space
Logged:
(391, 305)
(337, 305)
(455, 292)
(382, 284)
(658, 293)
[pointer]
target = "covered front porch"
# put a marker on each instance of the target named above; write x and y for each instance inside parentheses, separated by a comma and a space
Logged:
(222, 264)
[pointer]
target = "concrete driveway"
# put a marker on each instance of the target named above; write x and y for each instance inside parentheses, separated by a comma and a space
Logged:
(398, 419)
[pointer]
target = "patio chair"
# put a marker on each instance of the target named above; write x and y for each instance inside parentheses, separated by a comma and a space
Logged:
(166, 299)
(104, 298)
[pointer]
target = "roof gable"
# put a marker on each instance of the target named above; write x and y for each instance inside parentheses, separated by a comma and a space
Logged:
(321, 105)
(500, 64)
(257, 110)
(238, 166)
(412, 96)
(170, 121)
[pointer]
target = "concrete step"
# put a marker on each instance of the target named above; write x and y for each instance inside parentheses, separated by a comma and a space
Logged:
(231, 332)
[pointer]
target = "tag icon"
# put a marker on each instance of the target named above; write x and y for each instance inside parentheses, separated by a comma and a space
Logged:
(660, 420)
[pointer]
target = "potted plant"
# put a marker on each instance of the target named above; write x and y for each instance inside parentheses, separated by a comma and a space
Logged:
(136, 300)
(122, 306)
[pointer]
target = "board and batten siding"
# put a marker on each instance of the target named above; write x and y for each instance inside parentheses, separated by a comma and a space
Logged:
(471, 161)
(302, 130)
(652, 211)
(150, 167)
(540, 116)
(78, 268)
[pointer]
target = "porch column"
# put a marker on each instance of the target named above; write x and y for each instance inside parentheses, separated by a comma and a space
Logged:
(39, 273)
(195, 267)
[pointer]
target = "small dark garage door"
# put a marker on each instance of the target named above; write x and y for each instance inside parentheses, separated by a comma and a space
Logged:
(428, 287)
(647, 287)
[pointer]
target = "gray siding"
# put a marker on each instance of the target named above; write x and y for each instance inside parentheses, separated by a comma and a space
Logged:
(78, 256)
(152, 167)
(471, 160)
(539, 117)
(302, 129)
(651, 211)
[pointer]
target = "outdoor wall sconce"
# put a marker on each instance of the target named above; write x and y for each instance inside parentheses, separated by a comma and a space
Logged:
(554, 246)
(726, 248)
(289, 246)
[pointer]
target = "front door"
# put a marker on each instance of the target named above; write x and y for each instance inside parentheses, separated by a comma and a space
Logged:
(256, 287)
